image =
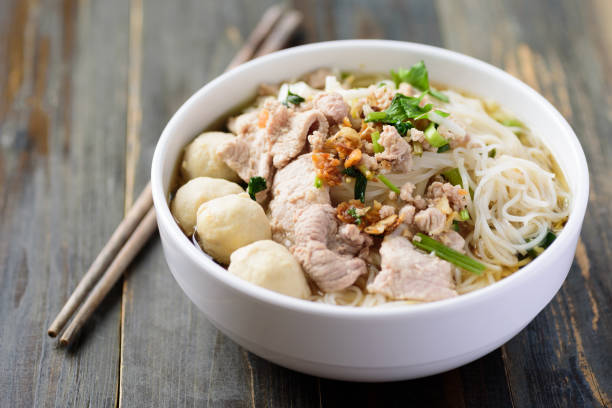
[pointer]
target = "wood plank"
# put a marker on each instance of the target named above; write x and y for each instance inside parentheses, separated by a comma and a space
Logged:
(562, 358)
(61, 170)
(171, 355)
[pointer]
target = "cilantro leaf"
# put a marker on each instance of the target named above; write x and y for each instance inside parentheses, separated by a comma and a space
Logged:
(418, 77)
(292, 98)
(401, 109)
(402, 127)
(256, 184)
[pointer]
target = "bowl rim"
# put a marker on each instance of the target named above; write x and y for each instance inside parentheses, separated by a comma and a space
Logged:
(167, 222)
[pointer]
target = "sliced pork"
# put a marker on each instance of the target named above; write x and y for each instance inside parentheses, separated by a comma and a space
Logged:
(315, 234)
(408, 274)
(269, 138)
(332, 105)
(248, 154)
(288, 131)
(406, 194)
(303, 220)
(293, 189)
(397, 150)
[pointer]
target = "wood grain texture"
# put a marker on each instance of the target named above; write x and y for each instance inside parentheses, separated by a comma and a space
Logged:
(85, 90)
(563, 357)
(171, 355)
(61, 167)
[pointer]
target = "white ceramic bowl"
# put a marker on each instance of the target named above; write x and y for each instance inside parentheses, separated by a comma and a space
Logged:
(376, 344)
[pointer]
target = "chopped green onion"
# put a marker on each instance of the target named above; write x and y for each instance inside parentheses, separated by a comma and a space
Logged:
(426, 243)
(317, 182)
(389, 184)
(417, 149)
(492, 153)
(439, 95)
(511, 122)
(353, 213)
(377, 147)
(256, 184)
(376, 117)
(433, 137)
(442, 113)
(444, 148)
(453, 176)
(464, 214)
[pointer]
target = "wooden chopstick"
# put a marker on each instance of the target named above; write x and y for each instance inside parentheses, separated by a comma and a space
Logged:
(133, 245)
(280, 34)
(104, 258)
(271, 34)
(260, 32)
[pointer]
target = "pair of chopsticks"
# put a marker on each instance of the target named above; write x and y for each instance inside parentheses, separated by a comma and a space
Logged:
(273, 31)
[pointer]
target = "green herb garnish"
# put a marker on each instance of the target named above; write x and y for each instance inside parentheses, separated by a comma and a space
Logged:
(256, 184)
(317, 182)
(402, 109)
(353, 213)
(418, 77)
(292, 98)
(433, 137)
(377, 147)
(361, 182)
(388, 183)
(492, 153)
(426, 243)
(444, 148)
(511, 122)
(464, 214)
(453, 176)
(351, 171)
(455, 226)
(541, 246)
(402, 127)
(417, 149)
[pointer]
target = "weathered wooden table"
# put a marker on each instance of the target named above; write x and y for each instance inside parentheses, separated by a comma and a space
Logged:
(85, 90)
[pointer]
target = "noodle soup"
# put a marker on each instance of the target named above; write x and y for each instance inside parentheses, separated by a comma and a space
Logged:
(370, 190)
